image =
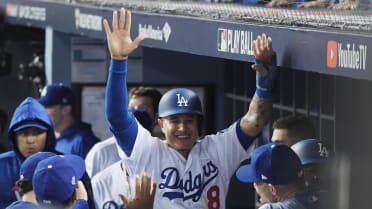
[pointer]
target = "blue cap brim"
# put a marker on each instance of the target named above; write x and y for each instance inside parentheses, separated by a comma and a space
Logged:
(246, 174)
(77, 163)
(31, 124)
(45, 101)
(56, 94)
(28, 166)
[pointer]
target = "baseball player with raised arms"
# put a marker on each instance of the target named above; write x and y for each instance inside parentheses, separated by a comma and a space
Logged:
(189, 173)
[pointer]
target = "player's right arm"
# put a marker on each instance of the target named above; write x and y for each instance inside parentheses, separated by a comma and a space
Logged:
(122, 123)
(259, 111)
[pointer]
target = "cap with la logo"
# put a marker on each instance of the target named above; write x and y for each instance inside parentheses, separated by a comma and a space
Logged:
(57, 94)
(311, 151)
(179, 101)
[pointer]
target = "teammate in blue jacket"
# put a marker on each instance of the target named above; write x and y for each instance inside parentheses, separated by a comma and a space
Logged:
(190, 173)
(55, 181)
(278, 178)
(73, 136)
(24, 184)
(30, 131)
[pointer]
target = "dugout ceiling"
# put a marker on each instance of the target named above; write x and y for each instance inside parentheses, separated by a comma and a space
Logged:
(334, 43)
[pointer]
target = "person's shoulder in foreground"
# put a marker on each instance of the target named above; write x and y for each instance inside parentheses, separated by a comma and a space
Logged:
(278, 178)
(22, 205)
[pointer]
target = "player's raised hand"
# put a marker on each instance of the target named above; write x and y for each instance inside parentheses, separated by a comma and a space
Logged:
(263, 49)
(144, 194)
(263, 52)
(119, 41)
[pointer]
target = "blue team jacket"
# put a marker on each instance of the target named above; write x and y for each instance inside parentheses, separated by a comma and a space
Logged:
(10, 162)
(76, 139)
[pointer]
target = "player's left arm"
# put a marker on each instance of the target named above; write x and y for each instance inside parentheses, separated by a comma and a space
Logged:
(122, 123)
(258, 114)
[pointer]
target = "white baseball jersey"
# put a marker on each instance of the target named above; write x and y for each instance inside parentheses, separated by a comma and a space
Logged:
(101, 155)
(200, 181)
(107, 185)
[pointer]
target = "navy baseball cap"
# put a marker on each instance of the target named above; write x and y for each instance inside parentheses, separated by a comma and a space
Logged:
(272, 163)
(57, 94)
(56, 178)
(28, 166)
(31, 124)
(22, 205)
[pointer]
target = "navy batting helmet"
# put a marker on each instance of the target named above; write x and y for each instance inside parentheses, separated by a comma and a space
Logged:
(179, 101)
(311, 151)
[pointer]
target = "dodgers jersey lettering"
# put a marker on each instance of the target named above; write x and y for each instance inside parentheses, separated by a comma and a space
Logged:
(172, 180)
(200, 181)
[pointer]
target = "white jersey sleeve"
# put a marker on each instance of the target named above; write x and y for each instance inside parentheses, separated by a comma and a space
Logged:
(107, 185)
(200, 181)
(100, 156)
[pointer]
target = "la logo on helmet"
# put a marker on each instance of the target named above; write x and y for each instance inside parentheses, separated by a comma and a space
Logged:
(323, 152)
(181, 101)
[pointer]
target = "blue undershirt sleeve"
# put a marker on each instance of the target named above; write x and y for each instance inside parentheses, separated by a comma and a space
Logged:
(122, 122)
(245, 140)
(264, 84)
(81, 204)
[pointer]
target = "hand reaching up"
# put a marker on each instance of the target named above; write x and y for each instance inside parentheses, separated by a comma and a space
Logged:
(144, 194)
(263, 52)
(118, 40)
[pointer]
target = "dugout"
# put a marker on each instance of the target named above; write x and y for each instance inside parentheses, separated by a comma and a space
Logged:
(323, 57)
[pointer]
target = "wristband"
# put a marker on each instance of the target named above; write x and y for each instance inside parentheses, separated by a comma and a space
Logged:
(264, 83)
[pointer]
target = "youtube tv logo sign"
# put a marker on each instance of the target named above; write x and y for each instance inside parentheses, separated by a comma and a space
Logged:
(346, 55)
(332, 54)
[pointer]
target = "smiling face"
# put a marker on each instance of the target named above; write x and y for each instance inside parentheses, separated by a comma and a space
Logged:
(30, 141)
(181, 131)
